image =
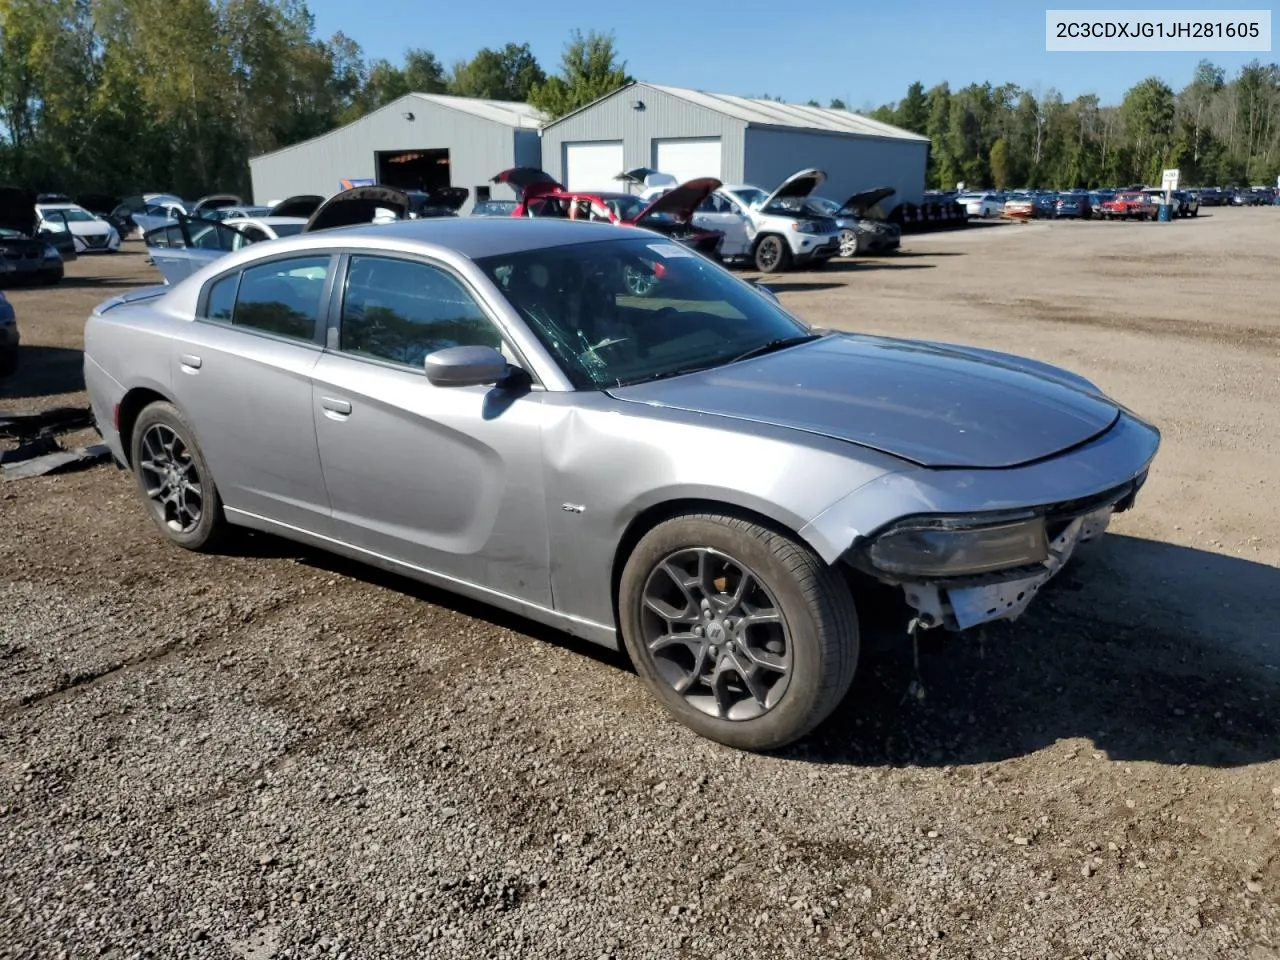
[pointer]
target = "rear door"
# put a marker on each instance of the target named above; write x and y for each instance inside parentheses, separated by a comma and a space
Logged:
(445, 479)
(243, 376)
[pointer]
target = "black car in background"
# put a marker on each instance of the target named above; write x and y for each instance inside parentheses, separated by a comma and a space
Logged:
(27, 254)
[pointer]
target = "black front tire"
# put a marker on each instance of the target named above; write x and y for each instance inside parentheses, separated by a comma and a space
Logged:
(211, 528)
(8, 362)
(815, 604)
(772, 255)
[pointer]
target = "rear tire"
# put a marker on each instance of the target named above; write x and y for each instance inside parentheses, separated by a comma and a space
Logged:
(772, 255)
(174, 481)
(8, 362)
(743, 633)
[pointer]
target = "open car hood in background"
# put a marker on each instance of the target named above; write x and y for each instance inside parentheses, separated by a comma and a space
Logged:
(216, 201)
(303, 205)
(796, 187)
(522, 179)
(442, 201)
(860, 203)
(681, 201)
(100, 203)
(18, 210)
(357, 205)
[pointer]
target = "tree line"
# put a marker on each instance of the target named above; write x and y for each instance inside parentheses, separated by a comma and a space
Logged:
(119, 96)
(1216, 131)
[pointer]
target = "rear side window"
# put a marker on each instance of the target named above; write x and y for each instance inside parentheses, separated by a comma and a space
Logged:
(283, 297)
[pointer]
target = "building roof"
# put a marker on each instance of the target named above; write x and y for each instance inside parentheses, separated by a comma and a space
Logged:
(771, 113)
(518, 116)
(775, 114)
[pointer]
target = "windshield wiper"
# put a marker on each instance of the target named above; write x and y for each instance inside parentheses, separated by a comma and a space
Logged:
(780, 344)
(665, 374)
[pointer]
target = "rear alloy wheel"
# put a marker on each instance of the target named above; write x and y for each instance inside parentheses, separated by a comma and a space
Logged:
(745, 635)
(174, 479)
(848, 243)
(772, 254)
(639, 282)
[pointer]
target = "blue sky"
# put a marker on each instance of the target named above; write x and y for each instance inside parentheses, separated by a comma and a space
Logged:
(863, 53)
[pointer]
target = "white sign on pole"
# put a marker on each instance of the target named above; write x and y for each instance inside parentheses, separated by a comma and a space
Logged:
(1169, 180)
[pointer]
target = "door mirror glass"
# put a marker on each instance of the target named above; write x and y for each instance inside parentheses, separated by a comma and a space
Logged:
(468, 366)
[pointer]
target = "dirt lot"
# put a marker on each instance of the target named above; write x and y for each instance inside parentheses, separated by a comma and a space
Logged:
(275, 753)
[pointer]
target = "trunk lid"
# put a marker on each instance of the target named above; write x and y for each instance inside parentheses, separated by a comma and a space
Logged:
(681, 201)
(927, 403)
(18, 210)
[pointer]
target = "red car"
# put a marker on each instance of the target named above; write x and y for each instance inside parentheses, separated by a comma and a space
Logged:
(670, 214)
(1128, 206)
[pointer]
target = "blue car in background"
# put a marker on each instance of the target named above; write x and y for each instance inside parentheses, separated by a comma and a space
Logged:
(1074, 205)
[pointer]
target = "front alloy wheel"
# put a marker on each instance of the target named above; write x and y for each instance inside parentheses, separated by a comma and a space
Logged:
(772, 254)
(743, 633)
(848, 243)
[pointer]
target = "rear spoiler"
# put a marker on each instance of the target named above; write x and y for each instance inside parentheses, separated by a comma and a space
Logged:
(133, 296)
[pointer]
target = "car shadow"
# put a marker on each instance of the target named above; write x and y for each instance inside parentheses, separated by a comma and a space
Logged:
(1077, 665)
(797, 286)
(107, 282)
(44, 372)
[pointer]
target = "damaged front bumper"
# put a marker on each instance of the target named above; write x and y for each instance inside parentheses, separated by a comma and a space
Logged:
(971, 601)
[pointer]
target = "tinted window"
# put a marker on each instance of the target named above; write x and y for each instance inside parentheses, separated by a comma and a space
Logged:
(222, 299)
(282, 297)
(401, 311)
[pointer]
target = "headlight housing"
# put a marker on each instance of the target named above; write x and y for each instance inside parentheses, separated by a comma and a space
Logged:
(946, 547)
(51, 252)
(806, 226)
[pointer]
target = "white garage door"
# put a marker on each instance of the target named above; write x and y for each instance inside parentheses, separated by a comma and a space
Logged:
(593, 166)
(688, 158)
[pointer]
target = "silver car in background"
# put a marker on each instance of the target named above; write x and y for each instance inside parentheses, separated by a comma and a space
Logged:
(693, 474)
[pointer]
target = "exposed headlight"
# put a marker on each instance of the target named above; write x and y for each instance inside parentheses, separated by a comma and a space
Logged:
(927, 547)
(806, 226)
(51, 252)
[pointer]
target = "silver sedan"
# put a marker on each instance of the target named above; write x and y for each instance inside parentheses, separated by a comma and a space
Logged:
(692, 473)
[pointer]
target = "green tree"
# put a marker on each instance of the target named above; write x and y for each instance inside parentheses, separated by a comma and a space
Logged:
(506, 74)
(999, 163)
(1148, 111)
(914, 111)
(589, 70)
(836, 104)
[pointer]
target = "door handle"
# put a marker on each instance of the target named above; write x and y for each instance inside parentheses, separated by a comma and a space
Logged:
(335, 408)
(190, 360)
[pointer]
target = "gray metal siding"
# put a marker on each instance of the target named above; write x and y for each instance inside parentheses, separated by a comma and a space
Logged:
(851, 163)
(664, 116)
(478, 149)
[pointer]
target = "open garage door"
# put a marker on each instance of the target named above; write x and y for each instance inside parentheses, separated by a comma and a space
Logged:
(592, 166)
(688, 158)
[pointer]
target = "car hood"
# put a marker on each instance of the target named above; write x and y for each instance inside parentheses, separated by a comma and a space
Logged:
(357, 205)
(438, 202)
(18, 210)
(216, 201)
(796, 187)
(520, 179)
(860, 203)
(681, 201)
(932, 404)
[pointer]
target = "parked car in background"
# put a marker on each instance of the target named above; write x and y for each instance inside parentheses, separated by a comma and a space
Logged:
(240, 212)
(669, 213)
(9, 337)
(861, 232)
(89, 232)
(1074, 205)
(982, 206)
(26, 254)
(1188, 203)
(257, 229)
(782, 232)
(1018, 207)
(494, 208)
(1130, 205)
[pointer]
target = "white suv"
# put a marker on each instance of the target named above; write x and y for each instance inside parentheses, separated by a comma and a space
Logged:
(772, 229)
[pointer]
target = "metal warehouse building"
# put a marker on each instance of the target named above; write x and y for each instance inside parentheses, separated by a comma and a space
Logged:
(420, 141)
(688, 133)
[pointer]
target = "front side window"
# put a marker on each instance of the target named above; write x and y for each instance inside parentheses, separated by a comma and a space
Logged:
(282, 297)
(400, 311)
(638, 308)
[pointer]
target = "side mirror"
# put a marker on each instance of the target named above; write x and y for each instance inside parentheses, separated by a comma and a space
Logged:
(766, 291)
(466, 366)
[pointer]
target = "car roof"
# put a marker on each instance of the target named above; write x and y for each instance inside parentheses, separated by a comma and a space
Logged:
(59, 205)
(270, 221)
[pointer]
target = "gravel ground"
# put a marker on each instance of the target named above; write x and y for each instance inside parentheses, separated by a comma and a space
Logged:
(275, 753)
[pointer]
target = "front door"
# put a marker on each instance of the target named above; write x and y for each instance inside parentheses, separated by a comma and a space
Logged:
(446, 479)
(242, 372)
(718, 212)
